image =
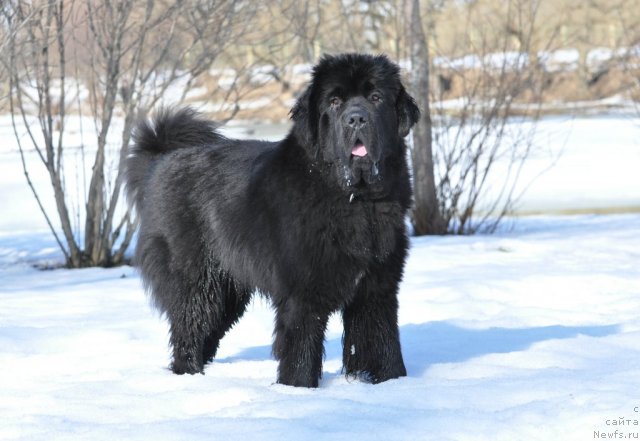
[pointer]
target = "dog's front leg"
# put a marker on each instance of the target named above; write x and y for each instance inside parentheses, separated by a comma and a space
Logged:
(299, 343)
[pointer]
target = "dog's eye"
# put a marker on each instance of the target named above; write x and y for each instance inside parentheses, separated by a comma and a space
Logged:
(375, 97)
(335, 101)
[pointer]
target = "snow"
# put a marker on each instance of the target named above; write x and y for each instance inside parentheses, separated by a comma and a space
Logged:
(509, 60)
(575, 164)
(560, 60)
(529, 334)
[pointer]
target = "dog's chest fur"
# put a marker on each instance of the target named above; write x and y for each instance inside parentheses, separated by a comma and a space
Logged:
(362, 229)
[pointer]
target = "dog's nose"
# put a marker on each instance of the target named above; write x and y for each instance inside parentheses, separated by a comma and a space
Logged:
(356, 118)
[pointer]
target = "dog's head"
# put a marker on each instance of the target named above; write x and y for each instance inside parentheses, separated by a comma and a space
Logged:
(353, 117)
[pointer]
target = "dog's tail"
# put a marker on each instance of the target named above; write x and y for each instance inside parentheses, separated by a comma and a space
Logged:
(169, 130)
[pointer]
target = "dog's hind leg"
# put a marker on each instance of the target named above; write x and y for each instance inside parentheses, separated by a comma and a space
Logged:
(204, 312)
(190, 321)
(234, 301)
(180, 298)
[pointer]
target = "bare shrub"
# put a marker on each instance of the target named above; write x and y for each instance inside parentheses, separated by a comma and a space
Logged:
(480, 146)
(139, 54)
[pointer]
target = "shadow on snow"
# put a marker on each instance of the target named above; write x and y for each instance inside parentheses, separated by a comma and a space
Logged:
(432, 343)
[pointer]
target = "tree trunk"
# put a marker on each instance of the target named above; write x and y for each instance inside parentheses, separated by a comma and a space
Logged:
(427, 218)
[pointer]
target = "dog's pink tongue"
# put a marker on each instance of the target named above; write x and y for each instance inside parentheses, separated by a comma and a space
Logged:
(359, 150)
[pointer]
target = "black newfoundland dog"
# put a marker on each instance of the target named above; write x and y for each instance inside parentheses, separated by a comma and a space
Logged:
(315, 221)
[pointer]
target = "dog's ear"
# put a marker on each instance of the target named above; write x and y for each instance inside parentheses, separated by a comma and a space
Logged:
(408, 112)
(302, 117)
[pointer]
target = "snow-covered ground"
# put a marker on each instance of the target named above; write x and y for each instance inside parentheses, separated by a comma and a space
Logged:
(529, 334)
(582, 163)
